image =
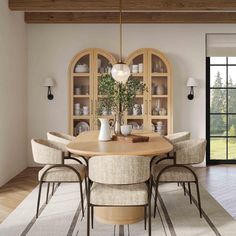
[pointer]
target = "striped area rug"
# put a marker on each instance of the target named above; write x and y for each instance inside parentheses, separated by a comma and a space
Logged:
(62, 216)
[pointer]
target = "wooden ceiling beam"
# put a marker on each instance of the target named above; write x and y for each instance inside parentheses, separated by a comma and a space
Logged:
(131, 17)
(129, 5)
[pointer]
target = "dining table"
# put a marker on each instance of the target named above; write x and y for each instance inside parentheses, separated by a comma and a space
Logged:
(87, 144)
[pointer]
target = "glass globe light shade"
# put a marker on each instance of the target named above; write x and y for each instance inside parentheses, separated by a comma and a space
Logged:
(120, 72)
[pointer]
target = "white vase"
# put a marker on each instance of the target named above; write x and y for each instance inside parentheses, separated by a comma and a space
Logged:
(105, 132)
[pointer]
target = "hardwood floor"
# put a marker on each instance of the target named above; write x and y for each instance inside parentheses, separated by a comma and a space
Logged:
(220, 181)
(14, 192)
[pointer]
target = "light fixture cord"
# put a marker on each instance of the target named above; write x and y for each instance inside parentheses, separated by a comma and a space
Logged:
(120, 30)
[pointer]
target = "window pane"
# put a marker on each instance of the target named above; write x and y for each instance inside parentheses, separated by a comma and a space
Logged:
(232, 100)
(218, 76)
(218, 60)
(218, 148)
(232, 76)
(218, 101)
(232, 148)
(218, 125)
(232, 125)
(232, 60)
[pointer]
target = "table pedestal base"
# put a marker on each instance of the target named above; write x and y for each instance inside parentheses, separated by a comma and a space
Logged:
(119, 215)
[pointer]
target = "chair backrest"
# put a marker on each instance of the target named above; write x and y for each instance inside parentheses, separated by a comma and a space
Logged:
(60, 137)
(47, 152)
(119, 169)
(190, 151)
(178, 137)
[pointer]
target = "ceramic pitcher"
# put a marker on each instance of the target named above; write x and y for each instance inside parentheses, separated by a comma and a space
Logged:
(105, 132)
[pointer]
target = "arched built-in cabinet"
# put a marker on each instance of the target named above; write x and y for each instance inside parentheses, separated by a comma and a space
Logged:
(157, 101)
(84, 71)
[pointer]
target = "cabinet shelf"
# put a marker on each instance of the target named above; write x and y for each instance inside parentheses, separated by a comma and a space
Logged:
(81, 74)
(157, 74)
(137, 74)
(81, 96)
(159, 117)
(82, 117)
(131, 117)
(159, 96)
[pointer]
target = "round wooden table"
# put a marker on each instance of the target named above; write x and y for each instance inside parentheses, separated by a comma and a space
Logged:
(87, 144)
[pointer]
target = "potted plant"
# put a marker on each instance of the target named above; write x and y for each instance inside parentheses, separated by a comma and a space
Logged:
(118, 97)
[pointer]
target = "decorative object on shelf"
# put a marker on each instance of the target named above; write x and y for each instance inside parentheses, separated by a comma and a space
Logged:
(78, 91)
(135, 69)
(82, 68)
(160, 128)
(191, 83)
(126, 129)
(49, 82)
(82, 126)
(142, 109)
(77, 110)
(160, 90)
(120, 71)
(85, 110)
(162, 112)
(134, 125)
(105, 132)
(140, 68)
(136, 109)
(119, 97)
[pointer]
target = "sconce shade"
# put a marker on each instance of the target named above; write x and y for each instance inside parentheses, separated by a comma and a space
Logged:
(120, 72)
(192, 82)
(49, 82)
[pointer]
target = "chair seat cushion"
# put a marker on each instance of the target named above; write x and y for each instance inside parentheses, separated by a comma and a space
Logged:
(119, 195)
(173, 174)
(63, 174)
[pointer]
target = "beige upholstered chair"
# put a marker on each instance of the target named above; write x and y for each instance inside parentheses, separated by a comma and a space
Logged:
(178, 137)
(186, 154)
(119, 181)
(51, 154)
(65, 139)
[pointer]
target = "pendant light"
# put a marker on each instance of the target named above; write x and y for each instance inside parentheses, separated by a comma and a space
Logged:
(120, 71)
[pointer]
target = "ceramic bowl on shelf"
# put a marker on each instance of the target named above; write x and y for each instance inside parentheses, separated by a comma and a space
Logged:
(81, 68)
(126, 129)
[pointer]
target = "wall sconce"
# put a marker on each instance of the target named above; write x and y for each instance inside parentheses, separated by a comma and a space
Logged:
(49, 82)
(191, 83)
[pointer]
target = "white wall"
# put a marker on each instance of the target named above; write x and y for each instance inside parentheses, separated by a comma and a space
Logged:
(51, 47)
(13, 85)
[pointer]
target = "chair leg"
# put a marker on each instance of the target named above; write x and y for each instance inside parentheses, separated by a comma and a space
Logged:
(47, 193)
(155, 200)
(92, 216)
(190, 194)
(53, 186)
(199, 199)
(149, 218)
(82, 198)
(145, 218)
(184, 188)
(88, 219)
(39, 195)
(86, 186)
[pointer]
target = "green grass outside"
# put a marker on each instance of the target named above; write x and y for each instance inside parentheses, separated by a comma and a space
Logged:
(218, 149)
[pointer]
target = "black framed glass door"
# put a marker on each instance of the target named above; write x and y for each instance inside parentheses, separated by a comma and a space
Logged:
(221, 109)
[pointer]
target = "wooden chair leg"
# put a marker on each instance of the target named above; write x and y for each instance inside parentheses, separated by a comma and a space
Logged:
(48, 188)
(145, 218)
(199, 199)
(86, 186)
(92, 216)
(190, 194)
(82, 198)
(39, 195)
(155, 200)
